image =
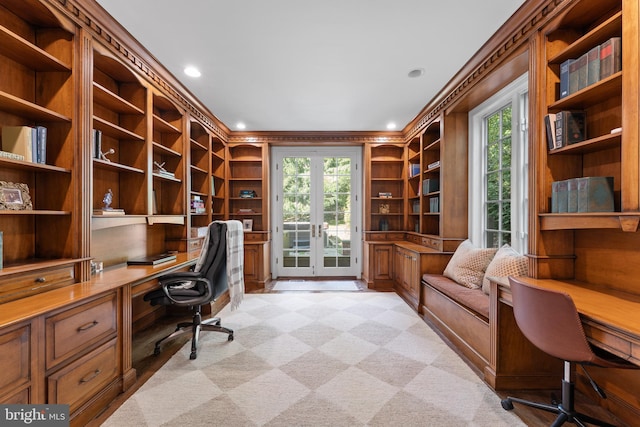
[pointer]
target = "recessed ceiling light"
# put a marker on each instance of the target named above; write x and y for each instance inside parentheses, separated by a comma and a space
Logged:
(240, 126)
(391, 126)
(416, 72)
(192, 71)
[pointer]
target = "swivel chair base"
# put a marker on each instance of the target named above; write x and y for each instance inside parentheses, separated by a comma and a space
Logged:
(195, 327)
(565, 410)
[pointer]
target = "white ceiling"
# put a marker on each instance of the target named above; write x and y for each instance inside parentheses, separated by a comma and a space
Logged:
(336, 65)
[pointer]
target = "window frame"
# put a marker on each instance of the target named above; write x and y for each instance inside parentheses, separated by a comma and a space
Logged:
(515, 93)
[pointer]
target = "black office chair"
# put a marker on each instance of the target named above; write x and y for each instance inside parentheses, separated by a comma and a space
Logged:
(550, 320)
(196, 288)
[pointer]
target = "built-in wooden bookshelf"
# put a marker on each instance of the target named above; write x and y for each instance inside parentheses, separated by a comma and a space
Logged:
(414, 184)
(385, 187)
(218, 179)
(430, 185)
(36, 59)
(118, 148)
(246, 177)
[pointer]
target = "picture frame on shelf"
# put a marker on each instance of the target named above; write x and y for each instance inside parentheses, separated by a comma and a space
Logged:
(247, 224)
(14, 196)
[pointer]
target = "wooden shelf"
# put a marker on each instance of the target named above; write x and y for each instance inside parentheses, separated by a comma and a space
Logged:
(115, 166)
(114, 130)
(626, 221)
(113, 101)
(19, 106)
(606, 88)
(28, 54)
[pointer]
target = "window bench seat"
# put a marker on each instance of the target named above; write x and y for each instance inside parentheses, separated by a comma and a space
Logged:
(460, 314)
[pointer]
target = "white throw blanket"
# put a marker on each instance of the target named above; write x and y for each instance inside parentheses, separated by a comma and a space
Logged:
(235, 261)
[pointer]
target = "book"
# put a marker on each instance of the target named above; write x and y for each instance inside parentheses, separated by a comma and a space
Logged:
(595, 194)
(41, 135)
(434, 204)
(550, 125)
(18, 140)
(152, 259)
(610, 57)
(563, 197)
(385, 195)
(107, 212)
(11, 156)
(570, 127)
(433, 164)
(564, 78)
(554, 196)
(572, 195)
(582, 71)
(593, 65)
(430, 185)
(97, 143)
(414, 169)
(573, 77)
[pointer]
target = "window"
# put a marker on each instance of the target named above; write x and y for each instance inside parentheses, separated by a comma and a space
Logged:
(498, 168)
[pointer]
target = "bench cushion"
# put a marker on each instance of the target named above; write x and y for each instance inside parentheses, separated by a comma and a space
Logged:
(474, 299)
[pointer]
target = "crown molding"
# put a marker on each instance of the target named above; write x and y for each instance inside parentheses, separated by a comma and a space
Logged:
(511, 36)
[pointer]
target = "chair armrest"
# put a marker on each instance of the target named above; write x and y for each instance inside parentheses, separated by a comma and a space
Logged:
(166, 283)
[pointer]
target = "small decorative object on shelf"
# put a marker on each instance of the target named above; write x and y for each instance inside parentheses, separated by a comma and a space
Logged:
(247, 224)
(107, 209)
(103, 156)
(385, 195)
(248, 194)
(245, 211)
(384, 224)
(14, 196)
(384, 208)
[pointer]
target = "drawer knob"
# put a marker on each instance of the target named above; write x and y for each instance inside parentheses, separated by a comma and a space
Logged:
(41, 280)
(90, 376)
(87, 326)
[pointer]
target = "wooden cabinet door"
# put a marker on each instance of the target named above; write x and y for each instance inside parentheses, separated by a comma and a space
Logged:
(383, 262)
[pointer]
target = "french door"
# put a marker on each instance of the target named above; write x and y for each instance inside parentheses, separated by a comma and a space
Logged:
(316, 211)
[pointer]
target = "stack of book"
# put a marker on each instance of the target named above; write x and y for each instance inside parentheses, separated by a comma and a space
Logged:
(598, 63)
(25, 143)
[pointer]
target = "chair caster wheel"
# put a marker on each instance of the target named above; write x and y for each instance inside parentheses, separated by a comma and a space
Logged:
(507, 404)
(230, 337)
(217, 323)
(193, 356)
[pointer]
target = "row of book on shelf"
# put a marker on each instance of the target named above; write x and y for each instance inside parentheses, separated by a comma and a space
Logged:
(565, 128)
(585, 194)
(26, 143)
(598, 63)
(414, 168)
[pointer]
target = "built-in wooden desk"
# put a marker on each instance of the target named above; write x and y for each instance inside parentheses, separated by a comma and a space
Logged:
(611, 319)
(73, 344)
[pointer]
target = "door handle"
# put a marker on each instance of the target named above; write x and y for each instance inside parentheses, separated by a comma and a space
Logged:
(313, 230)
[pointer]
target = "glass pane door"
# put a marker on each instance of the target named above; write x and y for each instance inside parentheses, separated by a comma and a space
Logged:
(314, 213)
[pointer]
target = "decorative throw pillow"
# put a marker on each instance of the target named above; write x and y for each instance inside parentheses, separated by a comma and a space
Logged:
(468, 263)
(507, 262)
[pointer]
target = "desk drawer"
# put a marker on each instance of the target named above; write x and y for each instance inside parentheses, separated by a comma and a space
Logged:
(82, 379)
(72, 331)
(22, 285)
